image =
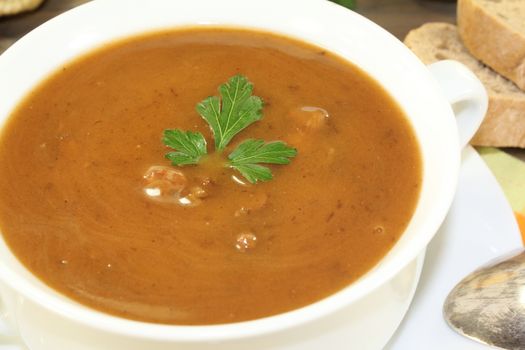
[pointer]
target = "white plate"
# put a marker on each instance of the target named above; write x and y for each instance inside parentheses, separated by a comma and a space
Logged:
(480, 226)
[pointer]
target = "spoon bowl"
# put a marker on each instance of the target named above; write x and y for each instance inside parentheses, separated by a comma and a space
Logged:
(489, 304)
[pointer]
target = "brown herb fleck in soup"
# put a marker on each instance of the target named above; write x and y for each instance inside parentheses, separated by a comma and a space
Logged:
(90, 204)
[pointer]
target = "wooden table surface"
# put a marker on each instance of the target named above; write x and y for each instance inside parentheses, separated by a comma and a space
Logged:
(397, 16)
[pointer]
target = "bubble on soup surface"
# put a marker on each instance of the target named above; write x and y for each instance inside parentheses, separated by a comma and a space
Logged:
(254, 202)
(164, 183)
(309, 117)
(159, 172)
(189, 201)
(245, 241)
(196, 194)
(199, 192)
(162, 190)
(240, 181)
(379, 230)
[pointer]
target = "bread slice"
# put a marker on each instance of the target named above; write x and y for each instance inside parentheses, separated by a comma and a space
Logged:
(12, 7)
(494, 32)
(504, 125)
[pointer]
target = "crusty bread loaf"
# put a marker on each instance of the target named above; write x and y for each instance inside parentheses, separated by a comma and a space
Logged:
(494, 32)
(504, 125)
(12, 7)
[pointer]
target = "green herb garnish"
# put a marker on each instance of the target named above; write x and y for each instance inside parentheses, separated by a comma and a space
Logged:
(190, 146)
(227, 115)
(237, 110)
(248, 154)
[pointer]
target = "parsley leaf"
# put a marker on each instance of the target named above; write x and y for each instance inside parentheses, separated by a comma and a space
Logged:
(254, 172)
(250, 152)
(189, 146)
(234, 111)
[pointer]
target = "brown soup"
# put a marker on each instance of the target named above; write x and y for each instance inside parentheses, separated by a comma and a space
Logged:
(75, 155)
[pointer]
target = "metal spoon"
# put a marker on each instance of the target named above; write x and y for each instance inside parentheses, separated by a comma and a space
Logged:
(489, 304)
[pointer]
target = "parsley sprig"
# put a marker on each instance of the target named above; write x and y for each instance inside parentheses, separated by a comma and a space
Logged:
(236, 110)
(189, 146)
(228, 115)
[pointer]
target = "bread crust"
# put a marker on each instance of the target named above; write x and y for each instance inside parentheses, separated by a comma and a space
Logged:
(504, 124)
(490, 39)
(12, 7)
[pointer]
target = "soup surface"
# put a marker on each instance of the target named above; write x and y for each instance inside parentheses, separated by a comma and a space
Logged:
(76, 170)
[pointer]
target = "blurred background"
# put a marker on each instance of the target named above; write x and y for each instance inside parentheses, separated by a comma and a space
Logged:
(397, 16)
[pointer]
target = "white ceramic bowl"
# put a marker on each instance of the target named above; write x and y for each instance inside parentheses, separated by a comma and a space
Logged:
(316, 21)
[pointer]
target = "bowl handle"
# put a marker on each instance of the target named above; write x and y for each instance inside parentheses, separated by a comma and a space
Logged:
(465, 93)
